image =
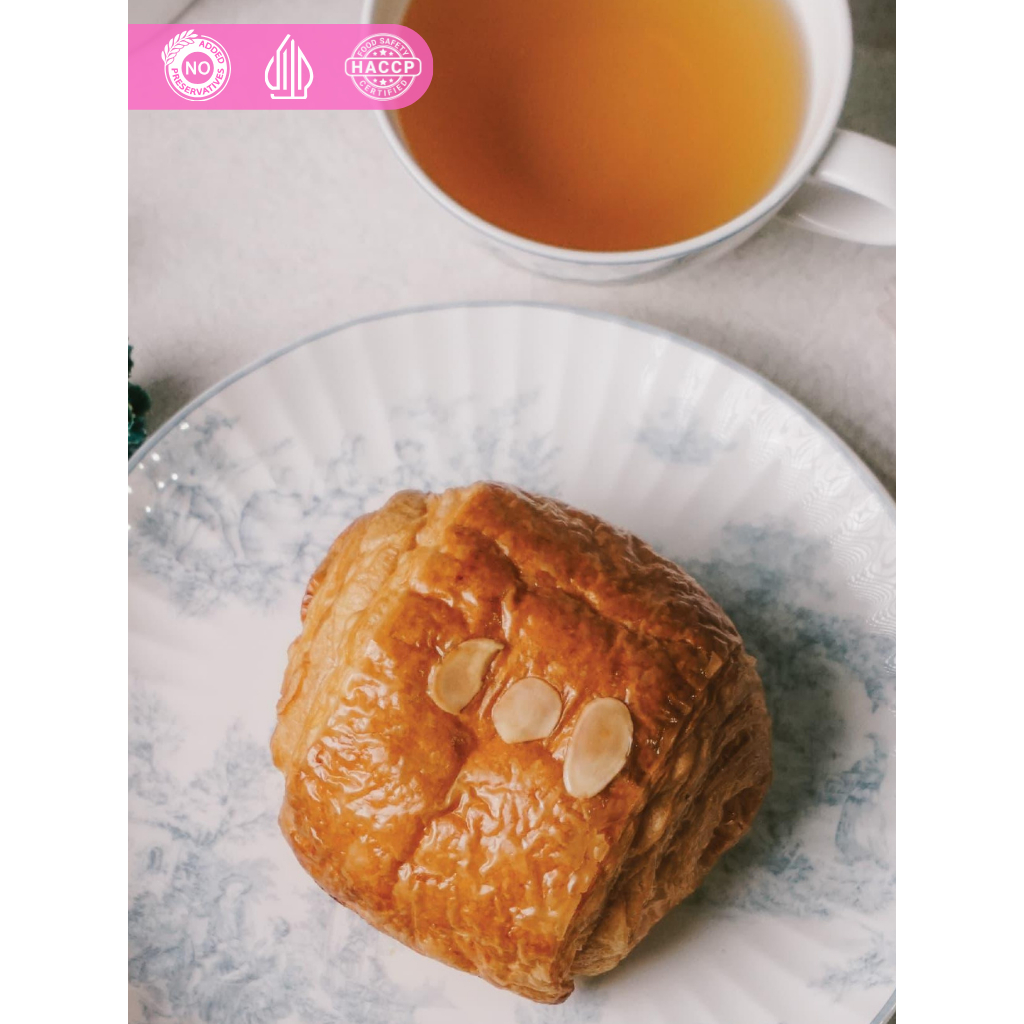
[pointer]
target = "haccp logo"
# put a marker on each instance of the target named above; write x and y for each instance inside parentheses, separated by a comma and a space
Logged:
(196, 67)
(383, 67)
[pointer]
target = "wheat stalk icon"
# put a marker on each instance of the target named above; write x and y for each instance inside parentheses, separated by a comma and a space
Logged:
(177, 44)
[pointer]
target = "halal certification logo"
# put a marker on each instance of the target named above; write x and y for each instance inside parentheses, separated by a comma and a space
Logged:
(196, 67)
(383, 67)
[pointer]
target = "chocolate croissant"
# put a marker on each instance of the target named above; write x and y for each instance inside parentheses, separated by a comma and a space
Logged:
(513, 737)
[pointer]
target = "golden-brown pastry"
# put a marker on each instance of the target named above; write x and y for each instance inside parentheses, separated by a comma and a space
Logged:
(512, 735)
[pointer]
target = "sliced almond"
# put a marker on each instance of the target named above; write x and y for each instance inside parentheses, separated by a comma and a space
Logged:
(459, 675)
(598, 747)
(528, 710)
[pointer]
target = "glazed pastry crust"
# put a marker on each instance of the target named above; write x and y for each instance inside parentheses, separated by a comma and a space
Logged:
(467, 848)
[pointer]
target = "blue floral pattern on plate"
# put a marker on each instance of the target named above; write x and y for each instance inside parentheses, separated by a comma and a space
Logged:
(231, 507)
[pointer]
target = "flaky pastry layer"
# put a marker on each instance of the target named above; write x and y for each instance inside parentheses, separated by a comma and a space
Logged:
(466, 847)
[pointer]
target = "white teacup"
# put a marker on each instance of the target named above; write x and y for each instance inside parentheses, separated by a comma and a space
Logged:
(837, 182)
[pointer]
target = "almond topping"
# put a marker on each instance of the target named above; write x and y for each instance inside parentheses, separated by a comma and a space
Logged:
(713, 665)
(527, 710)
(598, 748)
(457, 678)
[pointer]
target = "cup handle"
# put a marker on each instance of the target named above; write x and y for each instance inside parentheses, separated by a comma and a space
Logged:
(851, 194)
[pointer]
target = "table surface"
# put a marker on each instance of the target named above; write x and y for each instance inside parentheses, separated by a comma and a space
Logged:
(250, 229)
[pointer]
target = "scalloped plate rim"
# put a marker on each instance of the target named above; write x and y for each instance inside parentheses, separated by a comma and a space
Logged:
(864, 472)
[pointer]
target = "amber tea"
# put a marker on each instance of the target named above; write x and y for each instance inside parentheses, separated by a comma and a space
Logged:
(607, 125)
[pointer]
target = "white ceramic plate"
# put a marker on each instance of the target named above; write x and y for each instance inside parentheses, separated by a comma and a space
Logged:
(232, 504)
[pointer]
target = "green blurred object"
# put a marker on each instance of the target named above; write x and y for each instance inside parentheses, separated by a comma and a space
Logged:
(138, 406)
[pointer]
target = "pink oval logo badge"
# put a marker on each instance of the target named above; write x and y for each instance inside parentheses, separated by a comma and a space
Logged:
(383, 67)
(196, 67)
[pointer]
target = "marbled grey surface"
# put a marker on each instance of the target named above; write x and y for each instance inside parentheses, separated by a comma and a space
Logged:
(248, 230)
